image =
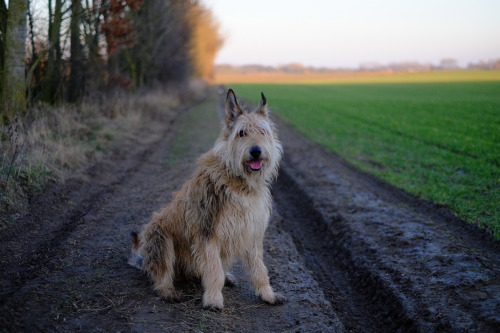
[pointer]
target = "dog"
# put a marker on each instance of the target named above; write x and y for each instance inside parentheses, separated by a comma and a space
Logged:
(220, 215)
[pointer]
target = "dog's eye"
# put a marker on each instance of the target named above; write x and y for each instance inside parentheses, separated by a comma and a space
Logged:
(243, 133)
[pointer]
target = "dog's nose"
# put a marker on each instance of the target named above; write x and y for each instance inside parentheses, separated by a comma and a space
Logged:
(255, 151)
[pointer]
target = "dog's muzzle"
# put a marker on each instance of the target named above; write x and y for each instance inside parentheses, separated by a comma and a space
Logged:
(255, 163)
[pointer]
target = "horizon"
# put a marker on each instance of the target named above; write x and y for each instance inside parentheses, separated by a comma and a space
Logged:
(335, 34)
(371, 66)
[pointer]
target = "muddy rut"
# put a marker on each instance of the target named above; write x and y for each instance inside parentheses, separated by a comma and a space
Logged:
(350, 253)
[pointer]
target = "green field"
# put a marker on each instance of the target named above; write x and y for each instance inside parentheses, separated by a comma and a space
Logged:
(439, 141)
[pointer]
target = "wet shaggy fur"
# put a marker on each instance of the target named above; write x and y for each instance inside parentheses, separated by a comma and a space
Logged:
(220, 215)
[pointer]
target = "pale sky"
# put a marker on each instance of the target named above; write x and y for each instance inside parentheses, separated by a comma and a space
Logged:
(347, 33)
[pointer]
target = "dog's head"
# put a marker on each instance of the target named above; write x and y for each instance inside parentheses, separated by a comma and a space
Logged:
(248, 142)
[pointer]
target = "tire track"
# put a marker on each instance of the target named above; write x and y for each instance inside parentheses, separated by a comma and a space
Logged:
(412, 266)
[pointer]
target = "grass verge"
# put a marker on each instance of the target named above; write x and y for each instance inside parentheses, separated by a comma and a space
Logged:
(187, 124)
(55, 143)
(439, 141)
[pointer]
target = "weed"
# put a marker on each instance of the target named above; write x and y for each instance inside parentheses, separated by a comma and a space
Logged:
(16, 134)
(55, 143)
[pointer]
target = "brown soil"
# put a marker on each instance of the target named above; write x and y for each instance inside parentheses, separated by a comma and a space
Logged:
(349, 252)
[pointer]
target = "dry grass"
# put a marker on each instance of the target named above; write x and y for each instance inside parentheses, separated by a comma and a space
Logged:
(54, 143)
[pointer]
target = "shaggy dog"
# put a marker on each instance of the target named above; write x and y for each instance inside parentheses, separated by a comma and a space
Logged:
(220, 215)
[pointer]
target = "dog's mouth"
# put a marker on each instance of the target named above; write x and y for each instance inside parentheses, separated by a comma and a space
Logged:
(255, 164)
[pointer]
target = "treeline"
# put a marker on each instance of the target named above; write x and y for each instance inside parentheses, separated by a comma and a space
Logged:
(408, 66)
(446, 64)
(71, 48)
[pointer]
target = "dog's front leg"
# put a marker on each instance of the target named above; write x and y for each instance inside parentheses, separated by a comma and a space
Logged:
(259, 276)
(212, 274)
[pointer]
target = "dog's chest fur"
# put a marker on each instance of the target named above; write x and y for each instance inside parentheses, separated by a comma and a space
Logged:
(232, 214)
(243, 221)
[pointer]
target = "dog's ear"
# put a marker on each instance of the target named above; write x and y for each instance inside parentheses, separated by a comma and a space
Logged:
(233, 110)
(262, 109)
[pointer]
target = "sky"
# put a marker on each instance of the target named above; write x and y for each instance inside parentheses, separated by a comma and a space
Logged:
(348, 33)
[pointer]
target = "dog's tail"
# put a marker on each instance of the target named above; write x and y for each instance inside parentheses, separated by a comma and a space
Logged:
(136, 258)
(136, 242)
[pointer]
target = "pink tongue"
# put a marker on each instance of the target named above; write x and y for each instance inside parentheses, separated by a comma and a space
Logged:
(255, 164)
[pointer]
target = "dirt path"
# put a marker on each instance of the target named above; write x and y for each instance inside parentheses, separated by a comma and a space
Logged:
(348, 252)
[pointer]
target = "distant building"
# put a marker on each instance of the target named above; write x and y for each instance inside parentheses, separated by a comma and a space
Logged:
(448, 64)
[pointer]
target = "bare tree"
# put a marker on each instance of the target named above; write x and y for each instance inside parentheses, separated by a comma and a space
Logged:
(161, 54)
(205, 41)
(95, 43)
(52, 88)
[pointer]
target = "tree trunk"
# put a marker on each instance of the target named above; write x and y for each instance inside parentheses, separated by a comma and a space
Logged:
(13, 81)
(76, 62)
(52, 83)
(3, 29)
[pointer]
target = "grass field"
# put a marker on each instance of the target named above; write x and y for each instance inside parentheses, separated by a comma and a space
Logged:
(437, 140)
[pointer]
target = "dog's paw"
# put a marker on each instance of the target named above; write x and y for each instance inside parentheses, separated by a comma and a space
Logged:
(230, 281)
(215, 307)
(136, 261)
(173, 296)
(212, 308)
(278, 299)
(213, 301)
